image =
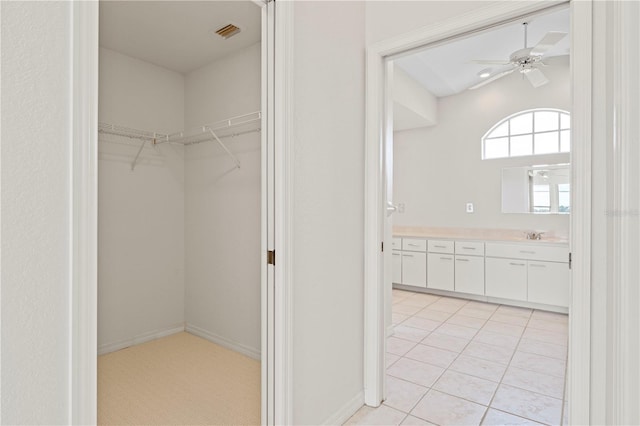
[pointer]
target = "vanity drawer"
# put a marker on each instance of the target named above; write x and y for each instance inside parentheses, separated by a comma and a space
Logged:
(437, 246)
(414, 244)
(525, 251)
(473, 248)
(396, 243)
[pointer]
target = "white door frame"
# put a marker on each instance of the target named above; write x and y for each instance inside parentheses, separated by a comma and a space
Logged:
(580, 304)
(276, 407)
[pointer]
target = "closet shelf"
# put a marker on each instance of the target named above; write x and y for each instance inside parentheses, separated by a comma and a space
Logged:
(231, 127)
(127, 132)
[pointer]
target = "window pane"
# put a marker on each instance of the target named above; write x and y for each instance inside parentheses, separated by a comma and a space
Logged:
(496, 148)
(565, 121)
(521, 145)
(565, 141)
(564, 198)
(501, 130)
(522, 124)
(546, 120)
(546, 143)
(541, 198)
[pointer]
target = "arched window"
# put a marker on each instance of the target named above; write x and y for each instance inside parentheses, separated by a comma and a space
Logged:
(531, 132)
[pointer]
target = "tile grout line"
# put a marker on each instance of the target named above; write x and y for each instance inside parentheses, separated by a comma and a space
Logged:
(445, 369)
(515, 349)
(485, 321)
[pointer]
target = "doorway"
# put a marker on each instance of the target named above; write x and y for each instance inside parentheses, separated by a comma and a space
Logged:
(146, 147)
(378, 294)
(179, 216)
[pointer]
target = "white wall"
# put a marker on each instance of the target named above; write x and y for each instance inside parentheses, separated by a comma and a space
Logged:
(386, 19)
(222, 206)
(36, 152)
(413, 105)
(36, 69)
(140, 212)
(328, 192)
(438, 169)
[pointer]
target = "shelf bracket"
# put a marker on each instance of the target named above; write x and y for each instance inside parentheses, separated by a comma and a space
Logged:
(233, 157)
(135, 160)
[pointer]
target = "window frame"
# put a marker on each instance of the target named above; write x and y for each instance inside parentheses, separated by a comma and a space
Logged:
(533, 133)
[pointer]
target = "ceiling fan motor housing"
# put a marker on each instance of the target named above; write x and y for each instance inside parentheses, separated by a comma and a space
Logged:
(524, 57)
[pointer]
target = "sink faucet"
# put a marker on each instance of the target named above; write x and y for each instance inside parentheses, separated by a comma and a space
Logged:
(533, 235)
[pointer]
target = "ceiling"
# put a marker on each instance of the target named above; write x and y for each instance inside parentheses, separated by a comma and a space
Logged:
(447, 69)
(177, 35)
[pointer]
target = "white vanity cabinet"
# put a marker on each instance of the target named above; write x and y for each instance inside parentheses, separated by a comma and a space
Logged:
(410, 263)
(527, 274)
(414, 269)
(534, 273)
(548, 283)
(506, 278)
(469, 273)
(441, 264)
(469, 267)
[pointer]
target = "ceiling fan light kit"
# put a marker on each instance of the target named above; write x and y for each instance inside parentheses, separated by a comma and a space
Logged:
(485, 73)
(526, 60)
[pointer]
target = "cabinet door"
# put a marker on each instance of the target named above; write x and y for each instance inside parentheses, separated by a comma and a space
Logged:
(549, 283)
(414, 269)
(470, 274)
(397, 266)
(440, 271)
(506, 278)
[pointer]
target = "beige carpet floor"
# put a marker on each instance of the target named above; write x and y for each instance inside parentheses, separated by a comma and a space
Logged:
(181, 379)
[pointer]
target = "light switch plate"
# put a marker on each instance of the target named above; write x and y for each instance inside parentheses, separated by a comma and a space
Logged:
(469, 207)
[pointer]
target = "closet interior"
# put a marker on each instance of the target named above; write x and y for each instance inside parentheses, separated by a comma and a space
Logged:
(179, 237)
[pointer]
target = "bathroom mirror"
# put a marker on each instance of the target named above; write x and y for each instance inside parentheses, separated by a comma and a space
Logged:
(536, 189)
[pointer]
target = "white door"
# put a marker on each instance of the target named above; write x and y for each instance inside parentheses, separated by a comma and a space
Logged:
(397, 266)
(268, 215)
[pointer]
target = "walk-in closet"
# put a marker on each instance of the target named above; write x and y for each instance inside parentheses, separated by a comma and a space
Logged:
(179, 227)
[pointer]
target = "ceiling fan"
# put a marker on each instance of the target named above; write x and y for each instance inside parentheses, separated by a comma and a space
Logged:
(526, 60)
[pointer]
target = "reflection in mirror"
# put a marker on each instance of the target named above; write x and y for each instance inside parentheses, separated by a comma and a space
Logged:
(536, 189)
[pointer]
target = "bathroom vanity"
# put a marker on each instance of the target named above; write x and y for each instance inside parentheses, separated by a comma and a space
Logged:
(510, 271)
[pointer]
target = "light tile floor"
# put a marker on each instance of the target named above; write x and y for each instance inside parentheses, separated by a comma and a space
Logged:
(457, 362)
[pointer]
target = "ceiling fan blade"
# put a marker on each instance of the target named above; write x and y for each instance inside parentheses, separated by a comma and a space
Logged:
(536, 77)
(547, 42)
(489, 62)
(492, 78)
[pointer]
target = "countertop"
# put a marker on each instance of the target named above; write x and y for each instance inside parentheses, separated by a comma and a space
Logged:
(507, 235)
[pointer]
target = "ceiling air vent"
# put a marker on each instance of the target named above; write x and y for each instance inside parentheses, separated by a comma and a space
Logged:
(228, 31)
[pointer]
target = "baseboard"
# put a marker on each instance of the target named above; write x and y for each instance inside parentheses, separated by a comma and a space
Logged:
(347, 410)
(141, 338)
(223, 341)
(481, 298)
(390, 330)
